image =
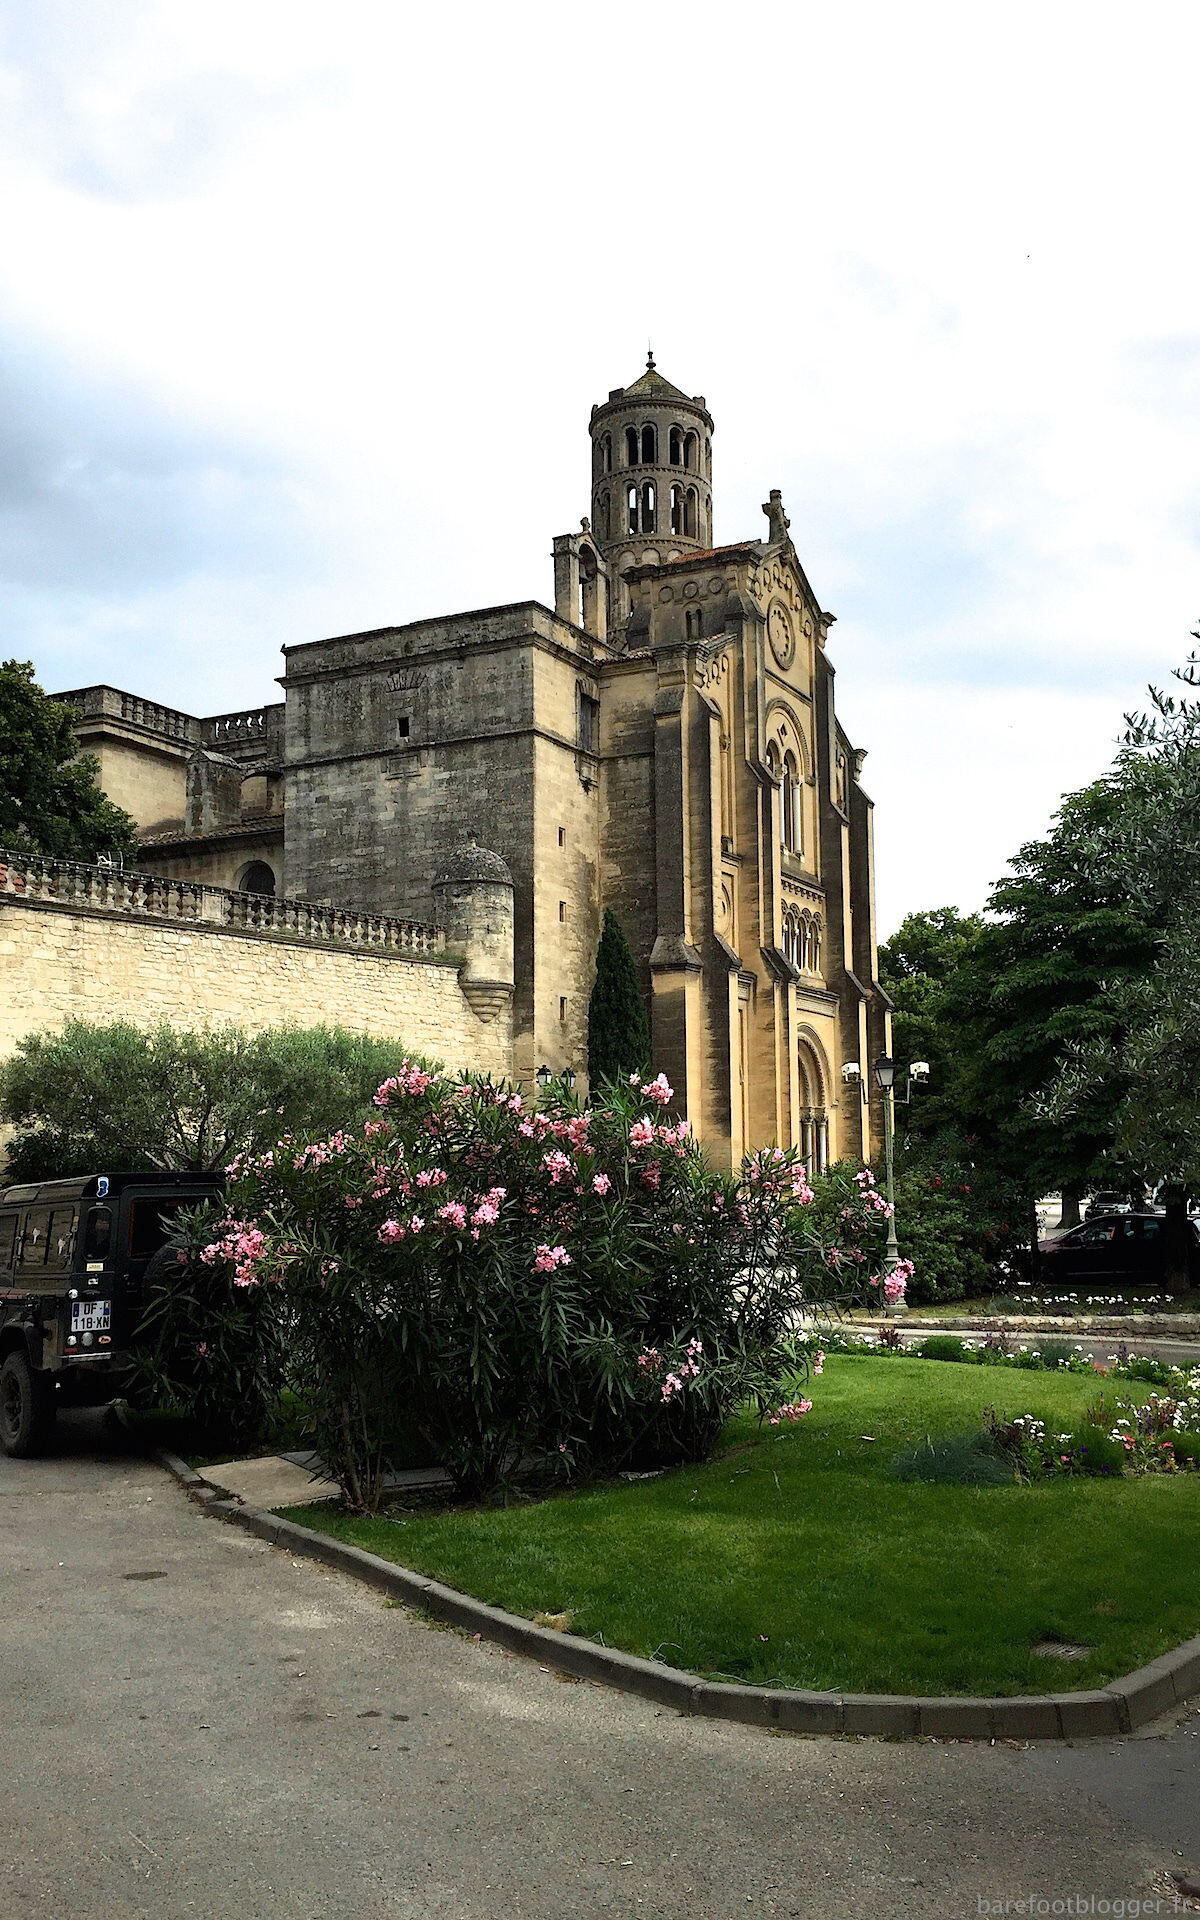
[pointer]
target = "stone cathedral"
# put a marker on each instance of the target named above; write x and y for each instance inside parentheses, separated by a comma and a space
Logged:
(663, 742)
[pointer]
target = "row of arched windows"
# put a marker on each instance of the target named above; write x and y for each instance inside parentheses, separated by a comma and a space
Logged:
(802, 939)
(641, 449)
(641, 511)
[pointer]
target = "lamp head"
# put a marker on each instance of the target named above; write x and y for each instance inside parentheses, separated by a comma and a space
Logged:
(567, 1076)
(885, 1071)
(543, 1076)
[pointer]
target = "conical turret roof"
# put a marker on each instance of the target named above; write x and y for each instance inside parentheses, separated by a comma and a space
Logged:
(652, 382)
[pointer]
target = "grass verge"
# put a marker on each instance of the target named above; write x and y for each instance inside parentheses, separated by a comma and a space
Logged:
(796, 1560)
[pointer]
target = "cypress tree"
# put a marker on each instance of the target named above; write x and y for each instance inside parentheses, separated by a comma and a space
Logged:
(618, 1032)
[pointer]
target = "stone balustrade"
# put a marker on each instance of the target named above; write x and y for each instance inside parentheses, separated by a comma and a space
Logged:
(148, 896)
(236, 729)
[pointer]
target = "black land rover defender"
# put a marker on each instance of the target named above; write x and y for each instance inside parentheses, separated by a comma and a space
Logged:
(73, 1260)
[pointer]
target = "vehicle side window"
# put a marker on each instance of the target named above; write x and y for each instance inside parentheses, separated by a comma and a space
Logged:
(8, 1235)
(34, 1237)
(60, 1235)
(1128, 1229)
(1151, 1229)
(1096, 1236)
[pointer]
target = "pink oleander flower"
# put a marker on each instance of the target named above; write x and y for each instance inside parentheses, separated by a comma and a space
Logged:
(652, 1177)
(635, 1079)
(577, 1129)
(818, 1365)
(641, 1134)
(601, 1183)
(556, 1164)
(391, 1230)
(453, 1213)
(659, 1091)
(671, 1386)
(895, 1287)
(202, 1349)
(547, 1259)
(790, 1410)
(416, 1224)
(486, 1214)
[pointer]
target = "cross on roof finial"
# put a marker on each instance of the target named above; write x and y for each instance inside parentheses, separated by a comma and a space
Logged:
(649, 358)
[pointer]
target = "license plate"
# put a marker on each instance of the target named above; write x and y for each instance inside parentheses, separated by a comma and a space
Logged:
(91, 1316)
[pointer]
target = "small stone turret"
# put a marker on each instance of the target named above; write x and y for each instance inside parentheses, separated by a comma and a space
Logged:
(474, 892)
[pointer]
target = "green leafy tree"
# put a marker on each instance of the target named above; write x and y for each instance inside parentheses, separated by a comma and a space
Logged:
(1048, 973)
(918, 968)
(618, 1031)
(1154, 1058)
(114, 1095)
(51, 802)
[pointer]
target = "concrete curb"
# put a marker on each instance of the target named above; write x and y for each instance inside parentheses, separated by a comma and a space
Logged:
(1183, 1327)
(1121, 1707)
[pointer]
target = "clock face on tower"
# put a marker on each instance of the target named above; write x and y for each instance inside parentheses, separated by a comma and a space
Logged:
(781, 633)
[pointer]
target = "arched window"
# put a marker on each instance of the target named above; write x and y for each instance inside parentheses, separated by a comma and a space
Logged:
(689, 513)
(789, 808)
(649, 508)
(649, 446)
(708, 458)
(676, 509)
(606, 452)
(604, 514)
(689, 450)
(814, 947)
(256, 878)
(632, 503)
(676, 446)
(631, 446)
(693, 624)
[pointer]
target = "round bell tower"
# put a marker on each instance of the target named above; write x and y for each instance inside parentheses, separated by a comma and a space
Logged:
(651, 473)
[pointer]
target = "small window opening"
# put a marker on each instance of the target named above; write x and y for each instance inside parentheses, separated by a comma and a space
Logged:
(631, 446)
(649, 508)
(606, 451)
(632, 498)
(676, 447)
(649, 446)
(402, 727)
(562, 836)
(562, 909)
(562, 1006)
(676, 509)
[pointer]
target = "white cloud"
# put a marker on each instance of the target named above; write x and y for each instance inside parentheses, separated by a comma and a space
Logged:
(356, 276)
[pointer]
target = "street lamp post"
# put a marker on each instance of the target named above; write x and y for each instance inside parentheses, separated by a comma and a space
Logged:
(885, 1075)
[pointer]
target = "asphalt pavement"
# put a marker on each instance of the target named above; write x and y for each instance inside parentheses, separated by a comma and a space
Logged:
(193, 1726)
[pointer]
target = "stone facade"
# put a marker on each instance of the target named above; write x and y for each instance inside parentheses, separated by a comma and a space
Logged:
(664, 742)
(82, 943)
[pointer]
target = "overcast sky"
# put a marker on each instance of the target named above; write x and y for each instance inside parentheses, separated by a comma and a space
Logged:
(304, 306)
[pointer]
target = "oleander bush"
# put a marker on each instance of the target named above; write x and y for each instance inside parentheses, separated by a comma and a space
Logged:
(571, 1287)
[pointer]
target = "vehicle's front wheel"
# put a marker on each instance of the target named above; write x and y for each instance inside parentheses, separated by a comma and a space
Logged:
(26, 1409)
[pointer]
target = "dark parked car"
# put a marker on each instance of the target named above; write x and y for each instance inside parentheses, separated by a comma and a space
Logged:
(1117, 1247)
(73, 1260)
(1101, 1203)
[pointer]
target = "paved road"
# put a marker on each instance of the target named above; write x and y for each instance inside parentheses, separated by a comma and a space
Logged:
(195, 1727)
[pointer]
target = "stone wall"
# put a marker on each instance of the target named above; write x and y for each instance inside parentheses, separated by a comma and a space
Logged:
(76, 942)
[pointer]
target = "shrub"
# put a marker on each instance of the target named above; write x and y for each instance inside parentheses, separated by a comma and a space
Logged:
(1187, 1448)
(207, 1350)
(957, 1460)
(943, 1346)
(115, 1095)
(618, 1031)
(576, 1286)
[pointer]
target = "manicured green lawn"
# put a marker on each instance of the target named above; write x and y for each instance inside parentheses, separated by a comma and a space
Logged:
(796, 1560)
